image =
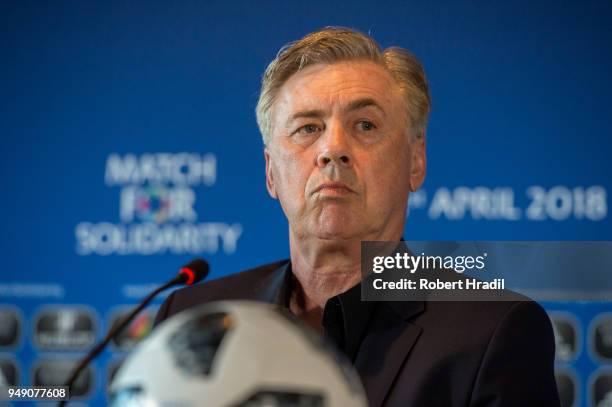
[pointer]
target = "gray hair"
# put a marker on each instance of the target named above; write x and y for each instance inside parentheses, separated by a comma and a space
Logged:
(335, 44)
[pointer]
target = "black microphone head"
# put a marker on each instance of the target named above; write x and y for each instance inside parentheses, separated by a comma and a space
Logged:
(194, 271)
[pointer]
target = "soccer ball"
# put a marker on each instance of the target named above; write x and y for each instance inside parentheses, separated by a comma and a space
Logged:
(236, 354)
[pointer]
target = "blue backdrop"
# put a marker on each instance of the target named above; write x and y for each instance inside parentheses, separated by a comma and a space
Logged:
(129, 146)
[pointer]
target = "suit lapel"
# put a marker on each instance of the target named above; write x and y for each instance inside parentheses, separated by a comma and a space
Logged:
(384, 350)
(273, 288)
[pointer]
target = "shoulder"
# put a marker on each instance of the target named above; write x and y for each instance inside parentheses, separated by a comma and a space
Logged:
(241, 285)
(522, 346)
(244, 285)
(488, 353)
(507, 347)
(486, 322)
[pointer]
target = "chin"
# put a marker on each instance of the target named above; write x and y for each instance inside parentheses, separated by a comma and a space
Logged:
(334, 224)
(336, 232)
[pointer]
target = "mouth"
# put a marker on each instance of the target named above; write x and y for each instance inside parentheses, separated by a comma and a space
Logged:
(333, 189)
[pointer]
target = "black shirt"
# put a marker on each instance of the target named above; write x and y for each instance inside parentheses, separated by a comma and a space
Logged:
(345, 316)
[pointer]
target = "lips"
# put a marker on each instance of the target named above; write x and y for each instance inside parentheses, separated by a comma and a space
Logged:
(335, 188)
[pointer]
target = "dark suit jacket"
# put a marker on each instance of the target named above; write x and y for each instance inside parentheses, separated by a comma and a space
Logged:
(421, 353)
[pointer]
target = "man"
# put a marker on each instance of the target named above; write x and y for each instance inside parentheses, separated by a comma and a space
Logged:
(344, 131)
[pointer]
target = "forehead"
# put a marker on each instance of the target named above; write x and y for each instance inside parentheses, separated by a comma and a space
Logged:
(324, 86)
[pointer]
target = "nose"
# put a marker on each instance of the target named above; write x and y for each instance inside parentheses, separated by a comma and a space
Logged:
(334, 147)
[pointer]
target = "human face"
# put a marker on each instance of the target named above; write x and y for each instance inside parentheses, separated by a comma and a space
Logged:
(340, 159)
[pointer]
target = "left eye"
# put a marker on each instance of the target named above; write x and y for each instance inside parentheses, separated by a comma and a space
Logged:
(366, 125)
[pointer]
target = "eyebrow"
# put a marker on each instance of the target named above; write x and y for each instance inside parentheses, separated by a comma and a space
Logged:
(303, 114)
(307, 113)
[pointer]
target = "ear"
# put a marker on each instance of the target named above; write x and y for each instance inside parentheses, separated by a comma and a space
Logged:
(418, 163)
(269, 175)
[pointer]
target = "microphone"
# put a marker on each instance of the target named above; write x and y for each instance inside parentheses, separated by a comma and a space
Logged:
(194, 271)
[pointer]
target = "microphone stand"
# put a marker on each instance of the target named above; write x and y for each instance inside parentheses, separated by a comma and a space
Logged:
(114, 331)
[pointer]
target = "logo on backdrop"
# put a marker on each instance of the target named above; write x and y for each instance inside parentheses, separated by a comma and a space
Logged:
(602, 338)
(156, 208)
(567, 387)
(10, 327)
(62, 328)
(601, 395)
(55, 372)
(136, 331)
(565, 330)
(9, 374)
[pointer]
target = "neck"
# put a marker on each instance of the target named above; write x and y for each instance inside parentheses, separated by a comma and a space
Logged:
(325, 269)
(321, 272)
(322, 269)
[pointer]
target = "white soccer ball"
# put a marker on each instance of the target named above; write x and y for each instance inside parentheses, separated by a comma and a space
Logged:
(238, 354)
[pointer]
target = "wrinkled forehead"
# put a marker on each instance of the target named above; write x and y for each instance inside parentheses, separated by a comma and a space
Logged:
(336, 87)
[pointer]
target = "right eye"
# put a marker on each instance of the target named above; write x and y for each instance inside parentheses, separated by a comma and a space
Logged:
(308, 129)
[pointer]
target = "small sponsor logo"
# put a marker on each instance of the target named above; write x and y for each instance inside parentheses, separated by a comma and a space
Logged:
(567, 388)
(64, 328)
(567, 337)
(10, 327)
(136, 331)
(601, 337)
(56, 372)
(601, 389)
(9, 373)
